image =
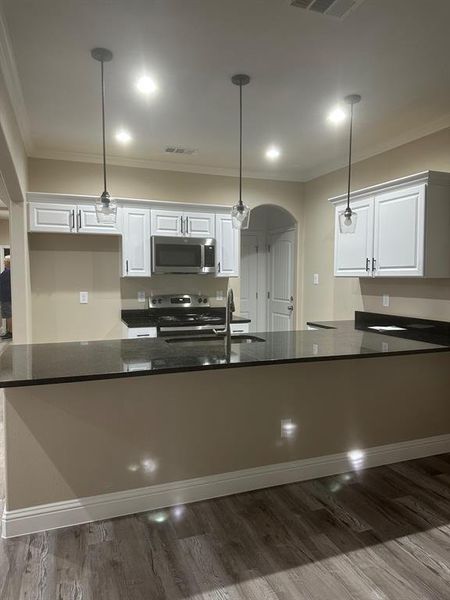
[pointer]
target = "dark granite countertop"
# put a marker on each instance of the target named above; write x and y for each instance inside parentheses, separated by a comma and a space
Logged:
(36, 364)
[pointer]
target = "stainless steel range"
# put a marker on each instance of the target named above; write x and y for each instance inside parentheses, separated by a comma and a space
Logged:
(175, 314)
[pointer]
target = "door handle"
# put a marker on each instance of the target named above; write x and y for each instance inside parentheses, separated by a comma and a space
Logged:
(290, 308)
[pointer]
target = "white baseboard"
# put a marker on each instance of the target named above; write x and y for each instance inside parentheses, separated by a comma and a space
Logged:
(105, 506)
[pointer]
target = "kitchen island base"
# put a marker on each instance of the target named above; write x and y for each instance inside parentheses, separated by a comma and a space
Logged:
(84, 451)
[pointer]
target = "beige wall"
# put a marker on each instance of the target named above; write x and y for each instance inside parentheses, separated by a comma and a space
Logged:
(4, 232)
(56, 282)
(80, 439)
(338, 298)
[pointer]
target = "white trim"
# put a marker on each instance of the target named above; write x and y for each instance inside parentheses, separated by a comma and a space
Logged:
(13, 86)
(160, 165)
(431, 177)
(106, 506)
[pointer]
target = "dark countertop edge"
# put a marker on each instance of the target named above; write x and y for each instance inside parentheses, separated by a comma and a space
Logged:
(187, 369)
(319, 325)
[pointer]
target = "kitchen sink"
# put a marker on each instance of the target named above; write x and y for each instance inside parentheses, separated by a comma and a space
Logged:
(215, 339)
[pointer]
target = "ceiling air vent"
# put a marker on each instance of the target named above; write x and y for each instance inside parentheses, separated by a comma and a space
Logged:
(179, 150)
(331, 8)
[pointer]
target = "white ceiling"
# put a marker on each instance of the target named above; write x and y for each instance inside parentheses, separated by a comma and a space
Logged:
(395, 53)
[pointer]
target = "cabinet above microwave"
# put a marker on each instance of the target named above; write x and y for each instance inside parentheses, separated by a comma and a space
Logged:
(402, 229)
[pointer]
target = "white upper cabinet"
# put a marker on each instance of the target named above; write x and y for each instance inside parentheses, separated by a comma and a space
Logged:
(87, 221)
(399, 233)
(182, 224)
(136, 242)
(227, 247)
(353, 252)
(402, 229)
(199, 224)
(53, 217)
(46, 217)
(167, 222)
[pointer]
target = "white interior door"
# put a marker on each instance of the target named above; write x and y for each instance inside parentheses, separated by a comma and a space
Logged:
(249, 278)
(281, 278)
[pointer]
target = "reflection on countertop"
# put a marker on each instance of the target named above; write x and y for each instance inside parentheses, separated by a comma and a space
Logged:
(35, 364)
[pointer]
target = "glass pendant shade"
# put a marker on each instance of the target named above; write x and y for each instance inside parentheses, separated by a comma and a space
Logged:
(347, 221)
(106, 209)
(240, 216)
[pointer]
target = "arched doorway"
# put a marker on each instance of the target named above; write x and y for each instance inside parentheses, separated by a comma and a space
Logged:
(268, 269)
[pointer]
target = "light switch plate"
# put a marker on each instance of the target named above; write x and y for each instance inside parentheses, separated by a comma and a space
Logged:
(385, 300)
(316, 279)
(141, 296)
(219, 295)
(84, 297)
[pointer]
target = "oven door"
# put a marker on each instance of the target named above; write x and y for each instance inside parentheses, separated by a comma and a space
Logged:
(179, 255)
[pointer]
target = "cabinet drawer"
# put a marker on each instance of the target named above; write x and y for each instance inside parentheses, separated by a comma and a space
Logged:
(141, 332)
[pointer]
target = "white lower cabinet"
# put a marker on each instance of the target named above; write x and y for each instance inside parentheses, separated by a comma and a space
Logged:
(136, 242)
(227, 247)
(237, 328)
(401, 229)
(138, 332)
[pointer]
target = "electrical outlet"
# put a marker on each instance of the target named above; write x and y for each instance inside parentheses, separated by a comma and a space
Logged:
(316, 279)
(385, 300)
(84, 297)
(219, 295)
(141, 296)
(315, 348)
(384, 347)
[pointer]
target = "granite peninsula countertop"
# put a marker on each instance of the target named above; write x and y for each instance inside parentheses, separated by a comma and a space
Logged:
(37, 364)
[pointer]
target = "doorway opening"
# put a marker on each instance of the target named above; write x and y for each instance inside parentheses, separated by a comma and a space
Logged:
(268, 269)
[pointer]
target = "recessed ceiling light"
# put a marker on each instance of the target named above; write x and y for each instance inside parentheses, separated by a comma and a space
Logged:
(123, 136)
(337, 115)
(272, 153)
(146, 85)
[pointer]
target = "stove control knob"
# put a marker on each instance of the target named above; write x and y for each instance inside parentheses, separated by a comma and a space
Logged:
(153, 300)
(205, 300)
(159, 301)
(200, 300)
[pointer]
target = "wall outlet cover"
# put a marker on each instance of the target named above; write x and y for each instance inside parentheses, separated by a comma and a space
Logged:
(141, 296)
(316, 279)
(219, 295)
(84, 297)
(386, 300)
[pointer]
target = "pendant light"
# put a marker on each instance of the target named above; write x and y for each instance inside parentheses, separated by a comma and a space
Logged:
(105, 206)
(347, 219)
(240, 213)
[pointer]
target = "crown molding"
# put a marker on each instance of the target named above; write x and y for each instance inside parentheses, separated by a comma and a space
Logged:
(143, 163)
(10, 73)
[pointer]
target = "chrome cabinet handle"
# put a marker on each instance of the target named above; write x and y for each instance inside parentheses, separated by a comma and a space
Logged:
(218, 267)
(182, 225)
(126, 266)
(367, 264)
(187, 225)
(72, 215)
(374, 264)
(79, 219)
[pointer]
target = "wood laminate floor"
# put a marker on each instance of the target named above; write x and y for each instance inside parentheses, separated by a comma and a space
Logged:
(382, 534)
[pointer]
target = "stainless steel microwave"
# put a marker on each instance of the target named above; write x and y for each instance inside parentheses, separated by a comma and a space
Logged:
(183, 255)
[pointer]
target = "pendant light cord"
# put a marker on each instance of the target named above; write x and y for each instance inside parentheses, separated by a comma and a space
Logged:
(103, 128)
(240, 145)
(350, 156)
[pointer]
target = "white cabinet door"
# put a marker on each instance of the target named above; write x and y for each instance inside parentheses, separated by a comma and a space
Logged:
(167, 222)
(227, 247)
(399, 233)
(136, 242)
(52, 217)
(87, 221)
(199, 224)
(353, 252)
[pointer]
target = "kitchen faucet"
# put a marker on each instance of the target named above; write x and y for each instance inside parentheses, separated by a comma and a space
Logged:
(229, 310)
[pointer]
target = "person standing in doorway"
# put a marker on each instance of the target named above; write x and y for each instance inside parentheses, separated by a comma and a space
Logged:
(5, 298)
